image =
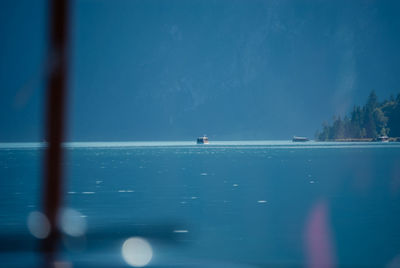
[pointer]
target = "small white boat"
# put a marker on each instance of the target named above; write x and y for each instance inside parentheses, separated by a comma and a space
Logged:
(299, 139)
(383, 139)
(202, 140)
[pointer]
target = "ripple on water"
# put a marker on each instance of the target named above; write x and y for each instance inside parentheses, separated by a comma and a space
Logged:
(181, 231)
(125, 191)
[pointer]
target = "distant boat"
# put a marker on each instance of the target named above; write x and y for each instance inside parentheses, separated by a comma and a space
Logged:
(202, 140)
(299, 139)
(383, 139)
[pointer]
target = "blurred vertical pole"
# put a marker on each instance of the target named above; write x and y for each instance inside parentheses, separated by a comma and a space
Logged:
(56, 93)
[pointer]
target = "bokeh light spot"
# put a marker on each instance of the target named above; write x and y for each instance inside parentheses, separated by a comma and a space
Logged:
(38, 225)
(72, 223)
(137, 252)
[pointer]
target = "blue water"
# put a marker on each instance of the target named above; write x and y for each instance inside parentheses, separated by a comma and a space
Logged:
(227, 204)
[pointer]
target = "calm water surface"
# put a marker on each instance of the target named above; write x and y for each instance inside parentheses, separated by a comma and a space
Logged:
(231, 204)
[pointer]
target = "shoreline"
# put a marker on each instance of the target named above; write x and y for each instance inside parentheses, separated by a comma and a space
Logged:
(392, 139)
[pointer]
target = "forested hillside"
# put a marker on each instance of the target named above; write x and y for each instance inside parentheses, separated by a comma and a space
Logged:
(372, 120)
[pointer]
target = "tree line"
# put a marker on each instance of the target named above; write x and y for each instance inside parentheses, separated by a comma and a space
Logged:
(372, 120)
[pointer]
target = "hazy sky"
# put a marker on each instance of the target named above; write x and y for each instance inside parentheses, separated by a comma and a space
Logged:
(174, 70)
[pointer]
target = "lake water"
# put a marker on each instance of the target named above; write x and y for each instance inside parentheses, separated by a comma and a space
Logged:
(226, 204)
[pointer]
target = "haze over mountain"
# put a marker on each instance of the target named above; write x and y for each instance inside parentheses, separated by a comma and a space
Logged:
(176, 69)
